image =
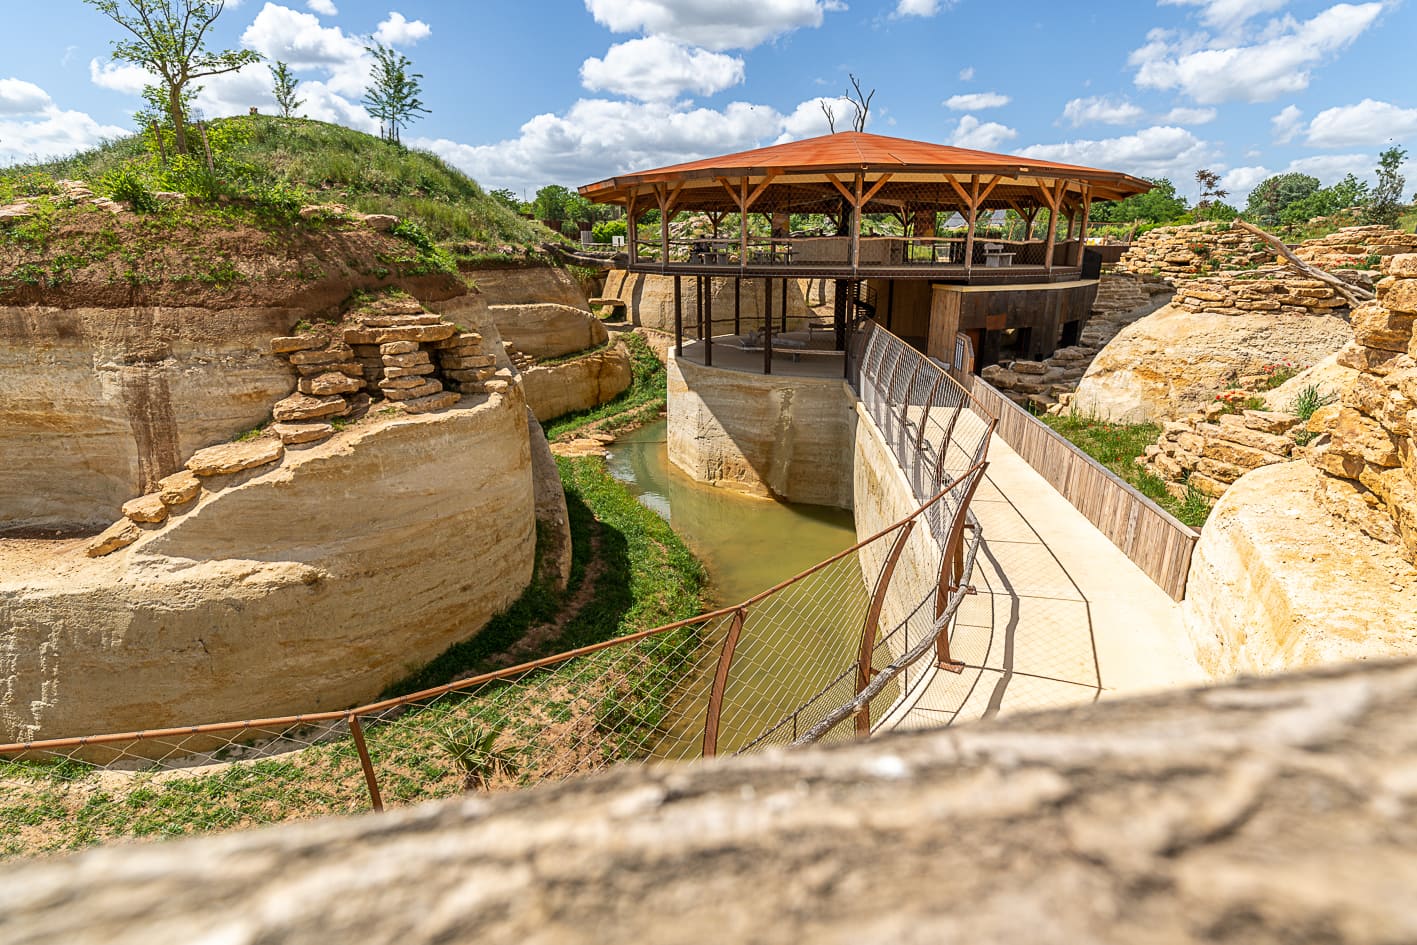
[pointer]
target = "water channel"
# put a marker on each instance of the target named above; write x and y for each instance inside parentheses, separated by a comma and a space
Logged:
(748, 545)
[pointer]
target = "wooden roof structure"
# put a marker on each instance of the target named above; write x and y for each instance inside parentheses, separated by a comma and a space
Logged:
(873, 173)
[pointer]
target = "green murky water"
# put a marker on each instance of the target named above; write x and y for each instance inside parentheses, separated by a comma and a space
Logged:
(790, 647)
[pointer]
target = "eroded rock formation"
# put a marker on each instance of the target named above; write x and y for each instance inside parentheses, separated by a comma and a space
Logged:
(1266, 813)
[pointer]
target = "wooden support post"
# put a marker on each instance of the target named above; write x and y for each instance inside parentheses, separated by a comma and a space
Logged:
(890, 303)
(737, 305)
(743, 225)
(1086, 214)
(839, 303)
(708, 321)
(973, 220)
(699, 307)
(767, 326)
(632, 228)
(678, 317)
(784, 304)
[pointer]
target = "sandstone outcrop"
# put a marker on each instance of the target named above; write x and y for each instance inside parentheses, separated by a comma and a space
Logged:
(553, 390)
(1210, 452)
(1278, 582)
(547, 330)
(649, 301)
(529, 285)
(1356, 247)
(1271, 812)
(1371, 456)
(308, 582)
(1175, 361)
(1183, 252)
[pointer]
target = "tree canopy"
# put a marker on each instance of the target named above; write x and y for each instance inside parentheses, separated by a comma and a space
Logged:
(170, 41)
(1161, 204)
(1385, 204)
(393, 92)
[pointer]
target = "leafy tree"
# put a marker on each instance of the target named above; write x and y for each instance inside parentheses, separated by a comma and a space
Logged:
(1216, 210)
(1384, 204)
(169, 40)
(1269, 200)
(551, 203)
(508, 198)
(393, 95)
(1161, 204)
(285, 85)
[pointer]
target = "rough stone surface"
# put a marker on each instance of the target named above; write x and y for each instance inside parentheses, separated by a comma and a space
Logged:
(1175, 362)
(120, 534)
(1266, 813)
(308, 585)
(772, 436)
(322, 385)
(551, 512)
(296, 434)
(530, 285)
(146, 509)
(580, 384)
(98, 404)
(235, 457)
(305, 407)
(546, 330)
(179, 488)
(1277, 582)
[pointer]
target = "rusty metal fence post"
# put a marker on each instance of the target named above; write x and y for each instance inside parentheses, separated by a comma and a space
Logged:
(952, 571)
(371, 780)
(872, 625)
(720, 683)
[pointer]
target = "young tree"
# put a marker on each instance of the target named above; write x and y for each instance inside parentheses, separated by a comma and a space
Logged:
(1211, 191)
(1384, 204)
(169, 40)
(285, 84)
(392, 96)
(507, 197)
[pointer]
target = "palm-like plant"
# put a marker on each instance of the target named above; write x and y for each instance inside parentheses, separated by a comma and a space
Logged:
(473, 748)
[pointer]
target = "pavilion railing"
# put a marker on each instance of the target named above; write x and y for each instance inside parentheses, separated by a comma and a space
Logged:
(835, 252)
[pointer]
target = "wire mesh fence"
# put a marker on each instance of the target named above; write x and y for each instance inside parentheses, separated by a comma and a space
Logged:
(854, 630)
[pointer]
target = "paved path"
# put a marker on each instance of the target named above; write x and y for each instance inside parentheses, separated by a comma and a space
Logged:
(1061, 617)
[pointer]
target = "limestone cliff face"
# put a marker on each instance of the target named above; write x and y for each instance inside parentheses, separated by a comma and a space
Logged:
(97, 404)
(649, 300)
(309, 584)
(547, 330)
(1175, 361)
(529, 285)
(554, 390)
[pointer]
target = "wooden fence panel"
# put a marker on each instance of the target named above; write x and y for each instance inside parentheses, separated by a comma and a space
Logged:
(1157, 542)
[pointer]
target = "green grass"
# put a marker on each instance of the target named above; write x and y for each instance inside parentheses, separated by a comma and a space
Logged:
(640, 403)
(1117, 446)
(285, 162)
(612, 703)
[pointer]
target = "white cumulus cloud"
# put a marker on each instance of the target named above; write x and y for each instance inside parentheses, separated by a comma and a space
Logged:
(18, 97)
(323, 7)
(1157, 151)
(1278, 61)
(399, 30)
(659, 69)
(981, 136)
(1287, 124)
(1228, 14)
(921, 7)
(1101, 109)
(974, 101)
(718, 25)
(120, 77)
(1189, 116)
(1241, 180)
(1369, 122)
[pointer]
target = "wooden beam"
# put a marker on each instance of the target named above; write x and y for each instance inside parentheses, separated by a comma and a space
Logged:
(987, 191)
(875, 189)
(846, 194)
(963, 197)
(973, 219)
(752, 198)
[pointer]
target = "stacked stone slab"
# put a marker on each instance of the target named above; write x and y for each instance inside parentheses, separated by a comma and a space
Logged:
(203, 471)
(394, 342)
(1210, 452)
(330, 384)
(519, 358)
(1184, 252)
(1237, 293)
(1371, 454)
(1356, 247)
(464, 364)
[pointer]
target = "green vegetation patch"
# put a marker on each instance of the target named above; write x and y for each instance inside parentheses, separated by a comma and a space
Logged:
(1118, 446)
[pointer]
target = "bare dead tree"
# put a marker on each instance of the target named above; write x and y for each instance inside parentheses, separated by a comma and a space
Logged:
(831, 115)
(860, 103)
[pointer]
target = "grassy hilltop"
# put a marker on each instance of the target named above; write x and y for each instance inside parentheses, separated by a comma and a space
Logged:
(285, 162)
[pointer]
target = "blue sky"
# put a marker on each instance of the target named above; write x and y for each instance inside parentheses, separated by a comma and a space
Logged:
(570, 91)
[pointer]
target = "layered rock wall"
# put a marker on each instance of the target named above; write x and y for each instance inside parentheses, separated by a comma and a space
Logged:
(1209, 453)
(1184, 252)
(309, 582)
(528, 285)
(553, 390)
(649, 301)
(547, 330)
(766, 435)
(1371, 457)
(1280, 294)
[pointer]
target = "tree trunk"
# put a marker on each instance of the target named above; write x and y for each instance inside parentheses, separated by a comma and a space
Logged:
(174, 109)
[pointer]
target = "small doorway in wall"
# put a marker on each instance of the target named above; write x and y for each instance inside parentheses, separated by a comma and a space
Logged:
(1072, 334)
(1015, 344)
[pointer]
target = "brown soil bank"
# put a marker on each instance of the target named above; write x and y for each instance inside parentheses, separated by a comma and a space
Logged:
(128, 341)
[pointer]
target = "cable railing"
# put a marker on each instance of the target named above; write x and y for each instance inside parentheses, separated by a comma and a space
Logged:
(856, 638)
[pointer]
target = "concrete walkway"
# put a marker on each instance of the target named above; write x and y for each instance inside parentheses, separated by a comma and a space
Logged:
(1061, 617)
